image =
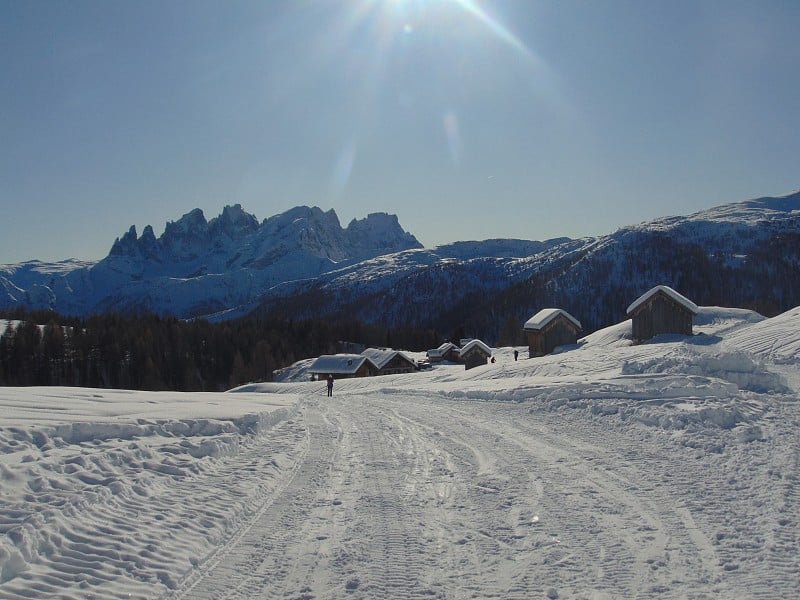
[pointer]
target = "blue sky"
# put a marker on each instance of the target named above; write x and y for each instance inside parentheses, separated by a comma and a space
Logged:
(468, 119)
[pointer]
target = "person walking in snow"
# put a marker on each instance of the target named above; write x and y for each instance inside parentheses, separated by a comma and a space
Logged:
(516, 354)
(330, 384)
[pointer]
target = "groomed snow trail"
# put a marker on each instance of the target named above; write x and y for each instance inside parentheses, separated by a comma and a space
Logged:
(419, 496)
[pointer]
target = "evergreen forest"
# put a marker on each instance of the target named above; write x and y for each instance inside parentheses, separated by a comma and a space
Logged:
(148, 352)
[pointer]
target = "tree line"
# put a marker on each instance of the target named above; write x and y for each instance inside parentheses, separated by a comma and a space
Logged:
(149, 352)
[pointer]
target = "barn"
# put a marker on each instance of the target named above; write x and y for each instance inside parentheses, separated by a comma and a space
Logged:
(389, 362)
(447, 351)
(342, 366)
(549, 328)
(661, 310)
(474, 354)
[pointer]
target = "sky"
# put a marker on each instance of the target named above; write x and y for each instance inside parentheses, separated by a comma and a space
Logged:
(468, 119)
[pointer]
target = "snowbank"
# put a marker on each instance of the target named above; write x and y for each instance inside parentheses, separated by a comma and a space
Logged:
(75, 461)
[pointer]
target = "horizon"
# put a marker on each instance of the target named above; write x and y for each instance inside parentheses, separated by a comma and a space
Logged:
(467, 120)
(159, 232)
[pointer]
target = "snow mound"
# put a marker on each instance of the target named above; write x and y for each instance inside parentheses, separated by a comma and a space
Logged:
(738, 368)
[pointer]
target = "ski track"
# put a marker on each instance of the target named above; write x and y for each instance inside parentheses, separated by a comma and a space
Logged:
(422, 497)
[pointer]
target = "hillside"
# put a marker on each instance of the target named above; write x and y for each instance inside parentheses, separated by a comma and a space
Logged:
(743, 254)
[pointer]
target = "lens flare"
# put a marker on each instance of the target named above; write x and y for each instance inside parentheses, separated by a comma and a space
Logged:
(453, 134)
(343, 167)
(497, 28)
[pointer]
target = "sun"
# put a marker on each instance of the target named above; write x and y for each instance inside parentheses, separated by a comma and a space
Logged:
(408, 12)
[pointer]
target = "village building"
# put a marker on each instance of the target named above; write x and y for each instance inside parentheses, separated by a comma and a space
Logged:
(661, 310)
(447, 351)
(389, 362)
(474, 354)
(550, 328)
(342, 366)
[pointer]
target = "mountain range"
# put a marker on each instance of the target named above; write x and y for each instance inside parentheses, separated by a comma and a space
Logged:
(198, 267)
(303, 264)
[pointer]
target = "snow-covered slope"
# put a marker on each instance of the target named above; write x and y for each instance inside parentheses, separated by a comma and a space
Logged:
(607, 470)
(742, 254)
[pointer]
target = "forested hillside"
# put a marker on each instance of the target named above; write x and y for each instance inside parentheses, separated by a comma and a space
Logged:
(152, 353)
(742, 255)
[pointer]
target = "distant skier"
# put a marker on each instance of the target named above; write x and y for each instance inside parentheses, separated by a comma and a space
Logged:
(330, 385)
(516, 354)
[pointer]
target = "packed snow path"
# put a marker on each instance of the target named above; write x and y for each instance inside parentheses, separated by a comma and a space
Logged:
(413, 497)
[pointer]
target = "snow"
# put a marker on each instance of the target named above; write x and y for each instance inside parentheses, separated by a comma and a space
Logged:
(442, 350)
(338, 364)
(544, 316)
(475, 344)
(605, 470)
(679, 298)
(381, 357)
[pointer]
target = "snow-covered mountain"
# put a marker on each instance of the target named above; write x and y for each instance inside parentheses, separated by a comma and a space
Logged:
(302, 263)
(743, 254)
(197, 267)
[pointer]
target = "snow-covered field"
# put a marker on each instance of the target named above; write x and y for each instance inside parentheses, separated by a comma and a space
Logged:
(666, 470)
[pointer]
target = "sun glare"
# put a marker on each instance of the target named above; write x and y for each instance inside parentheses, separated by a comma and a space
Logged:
(495, 26)
(407, 9)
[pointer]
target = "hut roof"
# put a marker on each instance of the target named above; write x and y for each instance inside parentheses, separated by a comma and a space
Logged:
(345, 364)
(476, 344)
(663, 289)
(381, 358)
(442, 350)
(538, 321)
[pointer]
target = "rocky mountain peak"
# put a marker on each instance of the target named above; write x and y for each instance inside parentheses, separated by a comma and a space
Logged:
(379, 232)
(126, 245)
(234, 222)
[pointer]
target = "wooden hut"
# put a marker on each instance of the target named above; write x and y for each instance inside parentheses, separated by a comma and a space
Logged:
(549, 328)
(447, 351)
(474, 354)
(390, 362)
(661, 310)
(342, 366)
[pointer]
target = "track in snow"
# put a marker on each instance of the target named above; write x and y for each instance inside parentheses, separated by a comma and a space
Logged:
(420, 497)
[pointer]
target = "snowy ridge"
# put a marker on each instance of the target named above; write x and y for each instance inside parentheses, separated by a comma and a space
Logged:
(199, 267)
(605, 469)
(740, 254)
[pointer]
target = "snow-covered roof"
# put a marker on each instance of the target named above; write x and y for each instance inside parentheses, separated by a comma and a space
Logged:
(443, 349)
(476, 344)
(338, 363)
(545, 316)
(381, 358)
(679, 298)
